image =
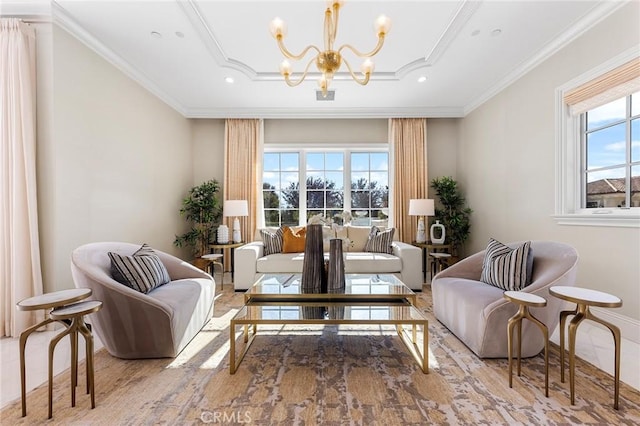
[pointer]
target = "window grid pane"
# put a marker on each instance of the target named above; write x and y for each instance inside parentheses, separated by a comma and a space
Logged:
(611, 155)
(280, 189)
(324, 186)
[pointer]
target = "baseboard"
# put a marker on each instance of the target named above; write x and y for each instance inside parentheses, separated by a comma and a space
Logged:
(629, 327)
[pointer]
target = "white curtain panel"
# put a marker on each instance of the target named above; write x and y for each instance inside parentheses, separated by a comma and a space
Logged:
(20, 273)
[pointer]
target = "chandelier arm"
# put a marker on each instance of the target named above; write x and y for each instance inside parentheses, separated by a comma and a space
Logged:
(362, 82)
(365, 55)
(336, 15)
(294, 83)
(290, 55)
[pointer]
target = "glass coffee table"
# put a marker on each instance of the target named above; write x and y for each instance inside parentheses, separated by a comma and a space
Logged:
(358, 287)
(367, 299)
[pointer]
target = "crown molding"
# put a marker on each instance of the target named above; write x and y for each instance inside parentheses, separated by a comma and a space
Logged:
(455, 25)
(588, 21)
(62, 18)
(329, 112)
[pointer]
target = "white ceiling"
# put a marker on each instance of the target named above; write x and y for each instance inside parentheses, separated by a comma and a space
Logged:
(452, 43)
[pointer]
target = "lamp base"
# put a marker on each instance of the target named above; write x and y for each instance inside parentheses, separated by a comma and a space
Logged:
(237, 237)
(421, 236)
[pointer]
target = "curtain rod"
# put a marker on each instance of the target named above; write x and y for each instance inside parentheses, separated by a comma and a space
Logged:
(31, 20)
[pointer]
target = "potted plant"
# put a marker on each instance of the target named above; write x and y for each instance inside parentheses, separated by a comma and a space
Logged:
(202, 209)
(454, 215)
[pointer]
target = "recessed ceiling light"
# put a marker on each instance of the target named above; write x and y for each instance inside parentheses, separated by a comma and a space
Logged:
(179, 34)
(156, 34)
(496, 32)
(422, 79)
(228, 79)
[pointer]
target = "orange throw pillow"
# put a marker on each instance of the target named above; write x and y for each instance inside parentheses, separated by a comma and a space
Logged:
(293, 239)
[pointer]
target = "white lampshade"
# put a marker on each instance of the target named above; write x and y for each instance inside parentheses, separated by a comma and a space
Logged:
(421, 207)
(235, 208)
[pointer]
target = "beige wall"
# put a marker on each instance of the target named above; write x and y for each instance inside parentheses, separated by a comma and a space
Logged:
(113, 163)
(319, 131)
(506, 165)
(442, 148)
(208, 149)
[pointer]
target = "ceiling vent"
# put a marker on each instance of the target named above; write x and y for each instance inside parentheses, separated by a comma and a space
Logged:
(331, 95)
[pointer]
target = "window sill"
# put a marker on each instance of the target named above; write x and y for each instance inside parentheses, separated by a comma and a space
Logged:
(619, 220)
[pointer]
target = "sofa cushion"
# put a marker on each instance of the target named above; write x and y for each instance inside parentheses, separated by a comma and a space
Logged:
(371, 263)
(293, 239)
(280, 262)
(358, 236)
(505, 267)
(143, 271)
(272, 241)
(355, 263)
(379, 241)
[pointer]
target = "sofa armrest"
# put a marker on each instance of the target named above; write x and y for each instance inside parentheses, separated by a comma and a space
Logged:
(411, 258)
(245, 268)
(469, 268)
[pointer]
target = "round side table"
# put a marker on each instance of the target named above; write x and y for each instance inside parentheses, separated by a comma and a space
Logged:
(583, 298)
(440, 261)
(215, 259)
(524, 301)
(75, 313)
(47, 301)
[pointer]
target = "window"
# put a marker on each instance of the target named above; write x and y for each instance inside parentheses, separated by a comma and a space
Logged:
(611, 154)
(369, 186)
(335, 180)
(597, 151)
(325, 183)
(280, 188)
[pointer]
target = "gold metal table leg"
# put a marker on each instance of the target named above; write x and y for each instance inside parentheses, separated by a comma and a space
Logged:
(583, 313)
(52, 346)
(563, 321)
(516, 322)
(23, 376)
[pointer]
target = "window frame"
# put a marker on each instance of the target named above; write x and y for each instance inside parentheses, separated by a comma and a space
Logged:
(346, 149)
(569, 156)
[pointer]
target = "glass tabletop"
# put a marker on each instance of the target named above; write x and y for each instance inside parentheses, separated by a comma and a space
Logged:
(379, 314)
(357, 286)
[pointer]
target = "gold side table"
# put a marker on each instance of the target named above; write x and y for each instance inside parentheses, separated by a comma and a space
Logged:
(583, 298)
(48, 302)
(213, 260)
(75, 313)
(231, 246)
(524, 301)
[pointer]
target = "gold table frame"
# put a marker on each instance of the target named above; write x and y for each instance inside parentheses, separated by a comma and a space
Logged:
(583, 298)
(285, 290)
(401, 314)
(47, 302)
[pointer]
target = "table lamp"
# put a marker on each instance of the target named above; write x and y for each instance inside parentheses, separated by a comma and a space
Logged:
(236, 208)
(421, 207)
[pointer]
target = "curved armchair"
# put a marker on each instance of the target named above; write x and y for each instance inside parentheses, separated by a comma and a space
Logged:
(477, 313)
(136, 325)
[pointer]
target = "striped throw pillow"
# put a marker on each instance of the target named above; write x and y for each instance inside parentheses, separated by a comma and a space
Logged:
(379, 241)
(143, 271)
(505, 267)
(272, 241)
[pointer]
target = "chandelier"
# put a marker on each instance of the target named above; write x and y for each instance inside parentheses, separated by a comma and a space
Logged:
(329, 60)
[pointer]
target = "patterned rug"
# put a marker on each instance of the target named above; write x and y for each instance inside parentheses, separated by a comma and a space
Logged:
(334, 375)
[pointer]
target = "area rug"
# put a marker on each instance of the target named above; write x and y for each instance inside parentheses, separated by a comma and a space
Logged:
(332, 375)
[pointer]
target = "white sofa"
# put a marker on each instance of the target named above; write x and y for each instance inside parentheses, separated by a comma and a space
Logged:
(405, 262)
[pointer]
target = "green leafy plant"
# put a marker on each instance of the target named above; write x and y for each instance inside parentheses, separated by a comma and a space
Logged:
(203, 210)
(454, 215)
